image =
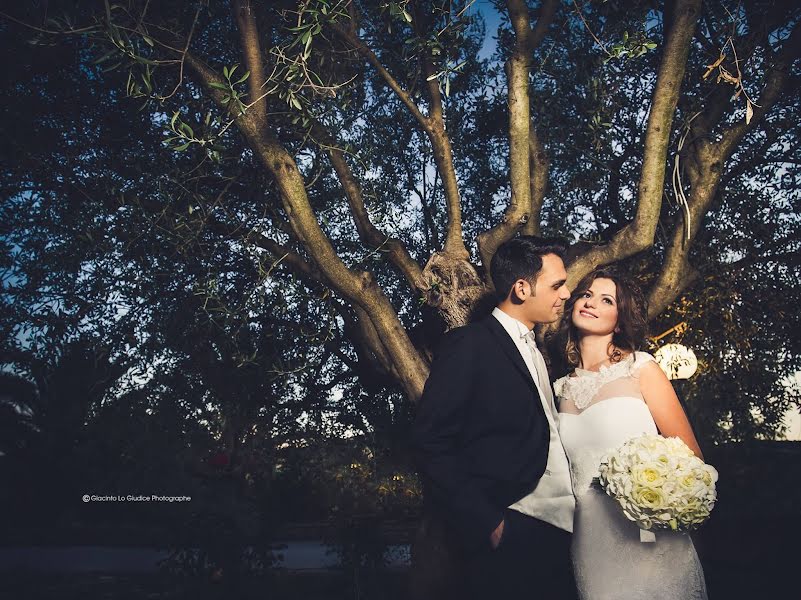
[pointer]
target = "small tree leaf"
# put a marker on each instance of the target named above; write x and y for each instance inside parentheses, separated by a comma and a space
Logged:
(105, 57)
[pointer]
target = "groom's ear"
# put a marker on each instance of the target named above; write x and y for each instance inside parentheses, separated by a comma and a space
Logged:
(520, 290)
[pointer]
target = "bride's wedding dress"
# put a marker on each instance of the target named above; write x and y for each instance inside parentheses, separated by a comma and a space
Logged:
(598, 411)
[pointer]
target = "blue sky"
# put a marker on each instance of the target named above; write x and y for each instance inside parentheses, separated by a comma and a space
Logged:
(492, 19)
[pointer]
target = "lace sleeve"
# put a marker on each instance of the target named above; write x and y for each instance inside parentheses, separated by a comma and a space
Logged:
(640, 359)
(558, 388)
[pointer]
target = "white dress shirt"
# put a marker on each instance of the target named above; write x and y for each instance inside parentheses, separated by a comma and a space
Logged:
(552, 500)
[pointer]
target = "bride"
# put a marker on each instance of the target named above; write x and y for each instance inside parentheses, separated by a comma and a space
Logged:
(616, 392)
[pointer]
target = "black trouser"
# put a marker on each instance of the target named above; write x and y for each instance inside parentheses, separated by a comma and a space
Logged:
(532, 562)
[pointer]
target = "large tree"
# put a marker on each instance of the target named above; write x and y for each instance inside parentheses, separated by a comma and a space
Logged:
(365, 160)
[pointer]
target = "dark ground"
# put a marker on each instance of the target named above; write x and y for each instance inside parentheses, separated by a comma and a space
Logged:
(749, 549)
(725, 581)
(746, 559)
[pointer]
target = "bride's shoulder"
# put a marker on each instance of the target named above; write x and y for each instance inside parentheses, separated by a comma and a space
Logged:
(643, 356)
(639, 359)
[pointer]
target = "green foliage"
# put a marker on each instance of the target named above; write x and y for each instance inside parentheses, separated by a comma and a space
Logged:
(139, 226)
(398, 11)
(630, 47)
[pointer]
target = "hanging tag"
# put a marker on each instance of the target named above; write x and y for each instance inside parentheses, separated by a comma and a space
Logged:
(647, 536)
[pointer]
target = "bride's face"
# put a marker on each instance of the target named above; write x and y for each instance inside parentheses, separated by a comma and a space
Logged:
(595, 312)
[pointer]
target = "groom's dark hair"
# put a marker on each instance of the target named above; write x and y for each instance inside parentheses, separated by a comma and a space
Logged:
(521, 258)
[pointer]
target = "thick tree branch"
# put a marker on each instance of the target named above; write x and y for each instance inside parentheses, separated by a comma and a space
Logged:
(677, 273)
(366, 332)
(402, 94)
(374, 360)
(518, 68)
(443, 158)
(716, 105)
(249, 36)
(374, 238)
(613, 188)
(442, 150)
(358, 287)
(687, 275)
(639, 234)
(539, 163)
(434, 126)
(292, 190)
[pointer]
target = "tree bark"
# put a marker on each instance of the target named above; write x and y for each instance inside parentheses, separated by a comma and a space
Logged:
(357, 287)
(709, 160)
(251, 48)
(368, 232)
(518, 67)
(539, 163)
(434, 127)
(638, 235)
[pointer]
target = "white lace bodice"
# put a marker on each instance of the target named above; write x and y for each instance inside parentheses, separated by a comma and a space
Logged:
(598, 411)
(587, 387)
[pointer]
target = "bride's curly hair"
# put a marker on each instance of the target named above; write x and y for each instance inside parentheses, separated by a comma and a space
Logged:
(632, 319)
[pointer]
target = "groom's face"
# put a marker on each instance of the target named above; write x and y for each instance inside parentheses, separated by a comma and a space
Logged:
(546, 299)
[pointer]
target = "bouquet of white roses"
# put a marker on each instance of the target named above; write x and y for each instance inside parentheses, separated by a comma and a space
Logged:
(659, 483)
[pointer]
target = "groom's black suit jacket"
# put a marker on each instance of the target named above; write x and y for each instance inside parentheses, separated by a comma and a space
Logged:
(480, 435)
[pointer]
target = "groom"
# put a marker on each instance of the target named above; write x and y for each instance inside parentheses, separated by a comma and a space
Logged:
(486, 439)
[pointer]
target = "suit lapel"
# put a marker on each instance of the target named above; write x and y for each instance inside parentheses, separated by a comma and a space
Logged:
(509, 348)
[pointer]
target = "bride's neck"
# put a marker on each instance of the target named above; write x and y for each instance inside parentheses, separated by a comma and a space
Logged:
(594, 350)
